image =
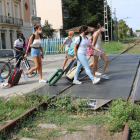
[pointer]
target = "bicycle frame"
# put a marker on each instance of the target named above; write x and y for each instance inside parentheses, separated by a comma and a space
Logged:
(23, 59)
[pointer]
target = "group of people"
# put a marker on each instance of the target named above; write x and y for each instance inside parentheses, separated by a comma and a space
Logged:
(92, 44)
(81, 47)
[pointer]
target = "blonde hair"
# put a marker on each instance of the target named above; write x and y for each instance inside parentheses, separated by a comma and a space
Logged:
(70, 33)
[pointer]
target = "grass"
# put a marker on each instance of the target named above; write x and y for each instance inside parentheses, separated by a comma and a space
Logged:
(16, 105)
(61, 112)
(114, 47)
(118, 47)
(68, 114)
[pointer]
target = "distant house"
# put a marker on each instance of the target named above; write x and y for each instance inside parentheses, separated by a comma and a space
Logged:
(55, 12)
(137, 32)
(76, 30)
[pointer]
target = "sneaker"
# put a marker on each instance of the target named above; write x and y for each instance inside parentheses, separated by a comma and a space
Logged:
(96, 80)
(32, 73)
(42, 81)
(25, 76)
(98, 74)
(4, 85)
(77, 82)
(104, 76)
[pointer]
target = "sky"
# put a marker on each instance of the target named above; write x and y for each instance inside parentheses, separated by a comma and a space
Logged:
(127, 8)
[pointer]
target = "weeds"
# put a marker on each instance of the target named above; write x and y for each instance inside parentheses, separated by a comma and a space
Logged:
(61, 111)
(119, 114)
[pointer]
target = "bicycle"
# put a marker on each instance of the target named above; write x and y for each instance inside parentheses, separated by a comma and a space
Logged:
(25, 65)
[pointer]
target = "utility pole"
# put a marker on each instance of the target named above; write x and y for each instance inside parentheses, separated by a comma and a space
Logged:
(116, 25)
(106, 22)
(111, 19)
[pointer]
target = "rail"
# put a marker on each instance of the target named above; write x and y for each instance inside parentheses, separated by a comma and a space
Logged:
(11, 20)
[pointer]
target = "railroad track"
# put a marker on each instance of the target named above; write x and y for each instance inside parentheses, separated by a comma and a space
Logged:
(132, 97)
(9, 127)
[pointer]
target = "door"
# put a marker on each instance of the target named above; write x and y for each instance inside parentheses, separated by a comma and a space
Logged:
(3, 40)
(11, 39)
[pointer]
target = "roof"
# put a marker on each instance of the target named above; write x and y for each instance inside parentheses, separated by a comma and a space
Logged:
(76, 29)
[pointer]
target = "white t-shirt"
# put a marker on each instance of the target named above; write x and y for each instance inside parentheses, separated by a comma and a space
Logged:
(18, 44)
(83, 45)
(68, 43)
(37, 43)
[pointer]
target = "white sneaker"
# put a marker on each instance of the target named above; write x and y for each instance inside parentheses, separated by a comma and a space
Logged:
(42, 81)
(96, 80)
(77, 82)
(98, 74)
(4, 85)
(25, 76)
(104, 76)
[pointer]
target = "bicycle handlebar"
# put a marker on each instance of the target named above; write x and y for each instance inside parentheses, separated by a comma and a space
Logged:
(21, 55)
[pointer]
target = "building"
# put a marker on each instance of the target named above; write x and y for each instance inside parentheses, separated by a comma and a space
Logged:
(14, 19)
(54, 12)
(137, 33)
(76, 30)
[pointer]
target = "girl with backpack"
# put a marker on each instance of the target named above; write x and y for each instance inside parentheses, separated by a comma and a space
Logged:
(97, 42)
(67, 43)
(36, 51)
(80, 51)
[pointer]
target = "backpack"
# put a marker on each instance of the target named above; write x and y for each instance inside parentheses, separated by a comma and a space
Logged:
(89, 50)
(71, 49)
(31, 43)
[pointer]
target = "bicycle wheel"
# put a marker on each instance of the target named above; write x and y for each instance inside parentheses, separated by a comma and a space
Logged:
(32, 64)
(4, 70)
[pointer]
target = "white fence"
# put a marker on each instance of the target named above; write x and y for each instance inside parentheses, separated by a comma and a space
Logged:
(51, 46)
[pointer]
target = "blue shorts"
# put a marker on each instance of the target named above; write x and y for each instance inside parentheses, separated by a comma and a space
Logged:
(35, 52)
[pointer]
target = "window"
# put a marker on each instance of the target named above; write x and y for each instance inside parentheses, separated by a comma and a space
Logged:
(0, 8)
(8, 10)
(15, 11)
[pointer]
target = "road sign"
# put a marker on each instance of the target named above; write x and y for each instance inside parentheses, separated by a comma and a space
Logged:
(35, 20)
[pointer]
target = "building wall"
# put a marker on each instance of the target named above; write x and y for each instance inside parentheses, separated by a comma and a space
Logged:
(22, 13)
(50, 10)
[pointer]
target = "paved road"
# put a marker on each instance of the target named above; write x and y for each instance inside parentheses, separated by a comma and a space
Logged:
(25, 87)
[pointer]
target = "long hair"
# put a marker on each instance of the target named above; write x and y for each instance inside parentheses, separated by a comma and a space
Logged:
(83, 28)
(100, 24)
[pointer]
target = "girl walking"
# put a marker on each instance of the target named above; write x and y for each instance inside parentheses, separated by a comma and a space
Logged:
(90, 53)
(80, 52)
(67, 43)
(36, 50)
(98, 40)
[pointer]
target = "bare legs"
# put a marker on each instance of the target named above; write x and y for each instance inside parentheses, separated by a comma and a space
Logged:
(95, 60)
(38, 65)
(64, 63)
(103, 56)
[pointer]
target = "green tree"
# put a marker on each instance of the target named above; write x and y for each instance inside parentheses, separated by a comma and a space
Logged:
(122, 29)
(47, 30)
(131, 32)
(83, 12)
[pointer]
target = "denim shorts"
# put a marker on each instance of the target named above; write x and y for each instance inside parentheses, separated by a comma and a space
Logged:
(35, 52)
